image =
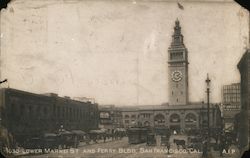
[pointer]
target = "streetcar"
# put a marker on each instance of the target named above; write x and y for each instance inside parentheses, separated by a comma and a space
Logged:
(137, 135)
(151, 140)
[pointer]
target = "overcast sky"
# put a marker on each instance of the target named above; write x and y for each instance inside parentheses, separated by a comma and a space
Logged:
(116, 51)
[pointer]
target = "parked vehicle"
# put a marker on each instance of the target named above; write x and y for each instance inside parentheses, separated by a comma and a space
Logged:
(81, 135)
(50, 141)
(33, 143)
(164, 140)
(67, 139)
(96, 135)
(137, 135)
(195, 142)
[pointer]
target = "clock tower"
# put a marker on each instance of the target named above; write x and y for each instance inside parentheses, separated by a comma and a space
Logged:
(178, 68)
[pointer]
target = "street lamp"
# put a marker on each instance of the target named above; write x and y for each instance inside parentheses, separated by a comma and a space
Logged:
(208, 111)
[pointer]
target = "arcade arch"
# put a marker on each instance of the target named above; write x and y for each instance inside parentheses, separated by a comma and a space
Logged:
(159, 120)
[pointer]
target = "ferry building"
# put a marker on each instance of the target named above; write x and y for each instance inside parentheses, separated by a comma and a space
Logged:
(179, 114)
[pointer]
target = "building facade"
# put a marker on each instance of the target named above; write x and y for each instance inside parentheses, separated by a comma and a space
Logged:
(26, 114)
(178, 118)
(110, 117)
(230, 105)
(244, 117)
(179, 114)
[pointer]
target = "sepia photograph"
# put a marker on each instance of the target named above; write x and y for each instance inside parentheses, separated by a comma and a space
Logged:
(124, 78)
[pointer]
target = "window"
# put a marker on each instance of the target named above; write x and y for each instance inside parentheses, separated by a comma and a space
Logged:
(63, 112)
(67, 112)
(12, 108)
(190, 118)
(57, 112)
(30, 110)
(38, 111)
(22, 109)
(146, 115)
(45, 111)
(146, 123)
(159, 119)
(174, 118)
(133, 116)
(70, 113)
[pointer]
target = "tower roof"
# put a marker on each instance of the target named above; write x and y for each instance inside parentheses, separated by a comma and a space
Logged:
(177, 28)
(177, 37)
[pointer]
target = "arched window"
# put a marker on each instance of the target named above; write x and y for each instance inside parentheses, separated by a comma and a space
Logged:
(175, 118)
(190, 118)
(126, 116)
(146, 123)
(159, 119)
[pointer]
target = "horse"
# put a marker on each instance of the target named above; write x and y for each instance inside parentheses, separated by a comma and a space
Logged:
(180, 142)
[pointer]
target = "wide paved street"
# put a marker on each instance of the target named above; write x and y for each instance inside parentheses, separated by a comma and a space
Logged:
(121, 149)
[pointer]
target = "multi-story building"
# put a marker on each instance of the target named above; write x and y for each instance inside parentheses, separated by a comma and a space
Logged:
(230, 105)
(129, 116)
(26, 114)
(110, 117)
(244, 117)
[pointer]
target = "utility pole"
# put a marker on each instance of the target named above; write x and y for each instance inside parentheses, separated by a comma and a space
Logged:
(208, 113)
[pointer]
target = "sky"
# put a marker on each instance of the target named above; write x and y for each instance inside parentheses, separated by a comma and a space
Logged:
(117, 51)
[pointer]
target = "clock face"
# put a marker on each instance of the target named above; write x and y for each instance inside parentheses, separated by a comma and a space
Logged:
(176, 76)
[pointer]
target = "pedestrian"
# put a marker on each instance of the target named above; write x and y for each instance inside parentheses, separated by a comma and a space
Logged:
(112, 134)
(222, 147)
(104, 137)
(205, 149)
(175, 132)
(76, 142)
(168, 146)
(246, 154)
(95, 138)
(87, 139)
(222, 144)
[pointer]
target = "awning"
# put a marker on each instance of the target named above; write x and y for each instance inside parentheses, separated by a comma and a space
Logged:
(120, 129)
(64, 132)
(78, 132)
(50, 135)
(97, 131)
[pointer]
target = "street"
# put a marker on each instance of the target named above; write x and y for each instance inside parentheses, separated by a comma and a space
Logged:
(121, 149)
